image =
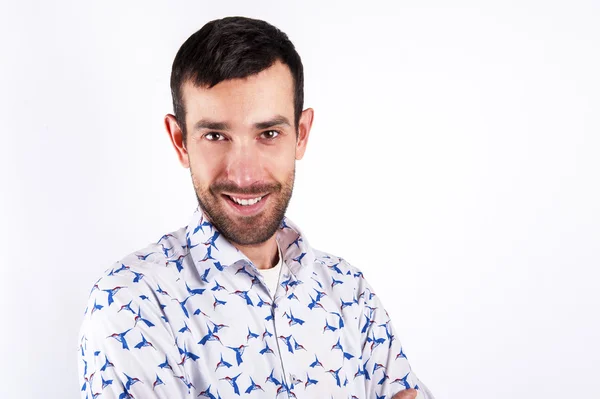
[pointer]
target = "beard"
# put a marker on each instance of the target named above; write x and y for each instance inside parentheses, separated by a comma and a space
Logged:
(245, 230)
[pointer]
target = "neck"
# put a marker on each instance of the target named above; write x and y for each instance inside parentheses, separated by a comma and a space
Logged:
(264, 255)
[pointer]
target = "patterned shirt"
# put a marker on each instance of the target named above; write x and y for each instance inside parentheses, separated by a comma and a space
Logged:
(190, 316)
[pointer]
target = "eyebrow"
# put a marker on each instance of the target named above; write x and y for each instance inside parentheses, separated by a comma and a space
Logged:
(212, 125)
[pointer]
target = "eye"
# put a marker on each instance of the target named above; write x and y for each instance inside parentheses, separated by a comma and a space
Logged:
(214, 136)
(270, 134)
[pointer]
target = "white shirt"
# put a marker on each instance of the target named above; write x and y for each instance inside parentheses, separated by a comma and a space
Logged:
(190, 316)
(271, 276)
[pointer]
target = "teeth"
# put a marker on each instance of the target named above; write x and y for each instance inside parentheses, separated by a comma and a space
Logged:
(246, 202)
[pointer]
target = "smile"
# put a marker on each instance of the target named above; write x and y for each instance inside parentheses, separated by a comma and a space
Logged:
(245, 201)
(247, 205)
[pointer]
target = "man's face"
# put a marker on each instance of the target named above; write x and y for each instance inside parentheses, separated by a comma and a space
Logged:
(241, 150)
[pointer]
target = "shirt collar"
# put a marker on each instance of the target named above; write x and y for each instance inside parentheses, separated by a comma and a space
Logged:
(213, 254)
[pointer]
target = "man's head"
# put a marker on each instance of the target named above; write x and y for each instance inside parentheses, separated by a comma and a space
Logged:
(237, 88)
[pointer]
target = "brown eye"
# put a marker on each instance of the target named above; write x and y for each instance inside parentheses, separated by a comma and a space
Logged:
(213, 136)
(270, 134)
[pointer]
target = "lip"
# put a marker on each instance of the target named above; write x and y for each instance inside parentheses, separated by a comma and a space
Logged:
(246, 210)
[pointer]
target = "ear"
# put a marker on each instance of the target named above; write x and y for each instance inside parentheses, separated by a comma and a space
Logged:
(304, 125)
(176, 137)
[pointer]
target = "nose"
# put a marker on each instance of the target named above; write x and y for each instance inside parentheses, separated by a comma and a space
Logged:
(245, 165)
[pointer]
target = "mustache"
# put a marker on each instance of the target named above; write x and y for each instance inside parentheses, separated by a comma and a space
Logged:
(232, 188)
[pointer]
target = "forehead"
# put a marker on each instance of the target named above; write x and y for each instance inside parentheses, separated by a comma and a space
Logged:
(244, 100)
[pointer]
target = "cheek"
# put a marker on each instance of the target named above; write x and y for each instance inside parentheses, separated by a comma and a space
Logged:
(205, 167)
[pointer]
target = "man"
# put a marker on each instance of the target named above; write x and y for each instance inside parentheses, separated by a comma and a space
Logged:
(237, 303)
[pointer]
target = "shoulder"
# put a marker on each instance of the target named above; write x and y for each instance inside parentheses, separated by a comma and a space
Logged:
(135, 275)
(336, 270)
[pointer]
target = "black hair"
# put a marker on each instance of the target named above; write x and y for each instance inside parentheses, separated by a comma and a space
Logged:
(229, 48)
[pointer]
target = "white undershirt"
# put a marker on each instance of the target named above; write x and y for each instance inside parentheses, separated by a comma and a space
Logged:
(271, 276)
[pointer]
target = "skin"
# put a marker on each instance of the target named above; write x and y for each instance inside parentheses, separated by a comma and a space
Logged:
(240, 158)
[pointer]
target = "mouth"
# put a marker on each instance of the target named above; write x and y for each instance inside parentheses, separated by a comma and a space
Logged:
(246, 205)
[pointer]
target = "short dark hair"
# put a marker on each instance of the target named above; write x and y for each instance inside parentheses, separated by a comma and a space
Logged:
(229, 48)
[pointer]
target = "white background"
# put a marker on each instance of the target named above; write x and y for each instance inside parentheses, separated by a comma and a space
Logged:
(454, 159)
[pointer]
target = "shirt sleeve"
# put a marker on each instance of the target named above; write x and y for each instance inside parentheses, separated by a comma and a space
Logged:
(385, 365)
(126, 347)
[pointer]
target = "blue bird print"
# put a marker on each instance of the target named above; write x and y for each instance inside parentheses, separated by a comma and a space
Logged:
(316, 363)
(368, 323)
(328, 327)
(137, 277)
(218, 302)
(403, 381)
(166, 250)
(161, 291)
(288, 342)
(243, 295)
(186, 355)
(144, 343)
(299, 258)
(196, 291)
(178, 262)
(271, 378)
(262, 302)
(97, 307)
(243, 270)
(166, 364)
(208, 256)
(131, 381)
(205, 275)
(217, 287)
(120, 269)
(293, 296)
(210, 336)
(309, 381)
(341, 320)
(106, 364)
(121, 338)
(111, 293)
(233, 382)
(335, 282)
(266, 334)
(338, 345)
(293, 320)
(164, 237)
(266, 349)
(185, 328)
(336, 268)
(211, 240)
(145, 256)
(138, 317)
(250, 335)
(314, 304)
(157, 382)
(127, 306)
(297, 346)
(182, 304)
(206, 393)
(378, 366)
(382, 380)
(219, 267)
(336, 375)
(239, 351)
(253, 386)
(296, 242)
(400, 355)
(125, 395)
(222, 363)
(106, 383)
(218, 327)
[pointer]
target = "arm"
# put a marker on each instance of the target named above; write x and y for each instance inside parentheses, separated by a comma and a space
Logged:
(126, 348)
(384, 359)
